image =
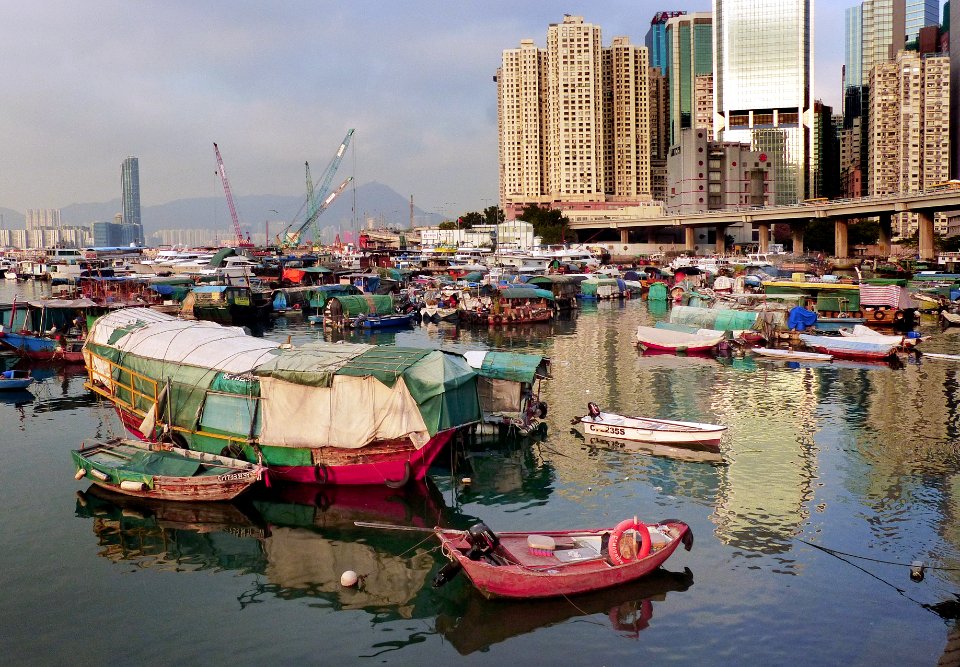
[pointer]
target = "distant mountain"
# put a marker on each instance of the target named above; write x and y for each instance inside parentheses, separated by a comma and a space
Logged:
(374, 201)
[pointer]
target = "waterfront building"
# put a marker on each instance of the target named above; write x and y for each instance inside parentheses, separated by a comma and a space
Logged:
(656, 40)
(130, 182)
(853, 47)
(763, 85)
(909, 116)
(690, 54)
(825, 158)
(574, 121)
(113, 234)
(707, 175)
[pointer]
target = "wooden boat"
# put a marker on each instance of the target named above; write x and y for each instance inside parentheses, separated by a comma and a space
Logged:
(12, 380)
(216, 389)
(550, 564)
(942, 357)
(42, 348)
(152, 470)
(642, 429)
(789, 355)
(652, 338)
(843, 347)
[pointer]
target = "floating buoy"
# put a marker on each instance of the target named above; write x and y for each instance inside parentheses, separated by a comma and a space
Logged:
(348, 579)
(130, 485)
(916, 570)
(80, 473)
(102, 476)
(466, 481)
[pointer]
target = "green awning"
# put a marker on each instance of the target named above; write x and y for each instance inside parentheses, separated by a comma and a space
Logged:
(526, 293)
(365, 304)
(510, 366)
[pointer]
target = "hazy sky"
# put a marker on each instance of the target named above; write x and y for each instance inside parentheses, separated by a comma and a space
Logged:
(85, 84)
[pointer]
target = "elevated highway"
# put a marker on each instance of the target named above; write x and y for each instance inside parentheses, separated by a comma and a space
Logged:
(841, 211)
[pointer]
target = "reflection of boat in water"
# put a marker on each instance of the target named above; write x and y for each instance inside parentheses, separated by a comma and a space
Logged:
(300, 538)
(480, 623)
(693, 453)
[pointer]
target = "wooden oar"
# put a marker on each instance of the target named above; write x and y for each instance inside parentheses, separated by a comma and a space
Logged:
(393, 526)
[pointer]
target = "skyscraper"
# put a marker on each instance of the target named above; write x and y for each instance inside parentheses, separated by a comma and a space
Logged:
(656, 40)
(574, 120)
(130, 180)
(920, 13)
(853, 46)
(690, 54)
(763, 83)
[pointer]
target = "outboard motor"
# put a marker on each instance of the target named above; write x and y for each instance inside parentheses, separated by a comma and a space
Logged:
(482, 541)
(593, 409)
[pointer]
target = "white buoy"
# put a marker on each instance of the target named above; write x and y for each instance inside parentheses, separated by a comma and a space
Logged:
(80, 473)
(348, 579)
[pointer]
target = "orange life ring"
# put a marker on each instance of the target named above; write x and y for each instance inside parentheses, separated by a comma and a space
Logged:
(879, 315)
(613, 547)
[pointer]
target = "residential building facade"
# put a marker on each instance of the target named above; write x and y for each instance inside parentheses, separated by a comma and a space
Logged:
(909, 118)
(574, 121)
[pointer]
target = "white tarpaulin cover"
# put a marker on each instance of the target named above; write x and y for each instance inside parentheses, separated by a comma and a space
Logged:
(195, 343)
(296, 415)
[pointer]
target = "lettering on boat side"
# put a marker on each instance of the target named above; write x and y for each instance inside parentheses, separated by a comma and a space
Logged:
(612, 430)
(233, 476)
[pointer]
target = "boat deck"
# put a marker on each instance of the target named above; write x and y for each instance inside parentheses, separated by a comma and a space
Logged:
(568, 551)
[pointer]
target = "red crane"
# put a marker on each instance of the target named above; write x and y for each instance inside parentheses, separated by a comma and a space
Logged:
(241, 243)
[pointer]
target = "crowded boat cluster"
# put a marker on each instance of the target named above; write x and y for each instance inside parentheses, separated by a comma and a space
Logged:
(212, 407)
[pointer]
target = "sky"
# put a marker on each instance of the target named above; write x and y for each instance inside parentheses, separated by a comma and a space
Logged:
(87, 83)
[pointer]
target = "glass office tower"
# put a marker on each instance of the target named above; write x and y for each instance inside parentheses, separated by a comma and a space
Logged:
(920, 13)
(130, 178)
(763, 78)
(656, 40)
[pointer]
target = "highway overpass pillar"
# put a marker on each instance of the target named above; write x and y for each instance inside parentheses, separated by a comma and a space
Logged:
(721, 248)
(797, 232)
(624, 236)
(926, 235)
(688, 239)
(886, 231)
(763, 231)
(841, 248)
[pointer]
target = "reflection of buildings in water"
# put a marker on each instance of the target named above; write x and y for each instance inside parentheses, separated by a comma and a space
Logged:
(764, 490)
(478, 623)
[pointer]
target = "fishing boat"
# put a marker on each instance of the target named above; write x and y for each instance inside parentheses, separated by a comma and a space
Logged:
(509, 305)
(13, 380)
(509, 388)
(168, 473)
(643, 429)
(46, 329)
(950, 319)
(558, 563)
(364, 311)
(653, 338)
(789, 355)
(320, 413)
(844, 347)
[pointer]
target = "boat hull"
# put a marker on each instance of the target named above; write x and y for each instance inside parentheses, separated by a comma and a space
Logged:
(394, 463)
(235, 478)
(533, 579)
(661, 431)
(15, 385)
(38, 348)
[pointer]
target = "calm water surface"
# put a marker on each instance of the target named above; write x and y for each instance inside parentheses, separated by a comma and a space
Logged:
(833, 479)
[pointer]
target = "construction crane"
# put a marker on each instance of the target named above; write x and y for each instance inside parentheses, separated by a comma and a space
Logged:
(326, 179)
(289, 240)
(241, 242)
(311, 197)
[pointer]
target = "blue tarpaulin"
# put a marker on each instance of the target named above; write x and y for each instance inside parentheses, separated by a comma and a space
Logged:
(800, 318)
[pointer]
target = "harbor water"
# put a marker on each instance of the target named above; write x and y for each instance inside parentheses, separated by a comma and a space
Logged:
(833, 478)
